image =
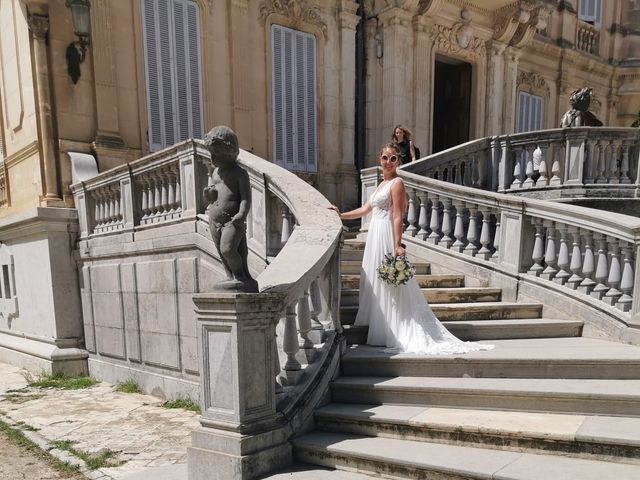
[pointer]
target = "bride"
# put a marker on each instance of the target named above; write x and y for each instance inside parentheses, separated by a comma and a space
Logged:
(398, 317)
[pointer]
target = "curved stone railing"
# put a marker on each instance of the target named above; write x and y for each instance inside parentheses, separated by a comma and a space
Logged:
(265, 359)
(586, 259)
(564, 162)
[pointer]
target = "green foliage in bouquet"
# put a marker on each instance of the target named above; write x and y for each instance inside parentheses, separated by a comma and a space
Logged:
(395, 270)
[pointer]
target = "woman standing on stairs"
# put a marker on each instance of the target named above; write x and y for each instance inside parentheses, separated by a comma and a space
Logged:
(398, 317)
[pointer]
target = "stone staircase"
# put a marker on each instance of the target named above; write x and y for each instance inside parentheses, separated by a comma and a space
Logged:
(546, 403)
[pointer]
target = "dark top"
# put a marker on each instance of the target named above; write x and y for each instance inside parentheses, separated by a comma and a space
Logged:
(405, 152)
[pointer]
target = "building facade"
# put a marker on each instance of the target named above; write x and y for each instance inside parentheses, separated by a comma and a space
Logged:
(313, 86)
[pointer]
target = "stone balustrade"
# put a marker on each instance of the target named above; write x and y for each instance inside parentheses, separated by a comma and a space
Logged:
(587, 38)
(4, 197)
(264, 359)
(565, 162)
(592, 258)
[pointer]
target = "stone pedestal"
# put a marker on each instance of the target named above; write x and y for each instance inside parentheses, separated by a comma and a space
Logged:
(241, 435)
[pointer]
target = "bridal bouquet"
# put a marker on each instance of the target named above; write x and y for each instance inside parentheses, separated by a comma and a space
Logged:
(395, 270)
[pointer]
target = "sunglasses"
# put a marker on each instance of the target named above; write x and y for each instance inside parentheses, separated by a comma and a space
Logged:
(392, 158)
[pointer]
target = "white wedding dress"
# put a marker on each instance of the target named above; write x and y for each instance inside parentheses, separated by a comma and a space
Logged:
(398, 317)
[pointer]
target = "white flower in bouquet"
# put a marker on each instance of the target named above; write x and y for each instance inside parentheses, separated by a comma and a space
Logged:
(395, 270)
(400, 266)
(401, 276)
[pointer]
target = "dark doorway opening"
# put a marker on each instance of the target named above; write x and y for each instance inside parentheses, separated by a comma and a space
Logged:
(451, 103)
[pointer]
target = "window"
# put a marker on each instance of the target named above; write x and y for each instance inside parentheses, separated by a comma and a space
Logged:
(171, 33)
(530, 110)
(589, 11)
(293, 81)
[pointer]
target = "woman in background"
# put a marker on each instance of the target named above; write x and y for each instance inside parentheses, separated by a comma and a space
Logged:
(403, 138)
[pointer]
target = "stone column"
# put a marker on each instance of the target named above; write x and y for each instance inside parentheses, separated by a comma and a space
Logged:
(347, 23)
(495, 88)
(423, 72)
(241, 435)
(511, 57)
(397, 69)
(39, 26)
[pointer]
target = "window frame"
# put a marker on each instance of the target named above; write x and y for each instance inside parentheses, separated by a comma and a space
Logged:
(521, 112)
(590, 11)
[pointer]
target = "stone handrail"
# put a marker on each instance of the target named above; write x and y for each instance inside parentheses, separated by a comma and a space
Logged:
(574, 251)
(563, 162)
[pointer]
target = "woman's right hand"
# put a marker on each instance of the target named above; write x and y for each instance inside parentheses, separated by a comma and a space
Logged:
(335, 209)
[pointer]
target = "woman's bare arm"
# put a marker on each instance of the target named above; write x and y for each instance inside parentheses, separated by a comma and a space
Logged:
(352, 214)
(398, 196)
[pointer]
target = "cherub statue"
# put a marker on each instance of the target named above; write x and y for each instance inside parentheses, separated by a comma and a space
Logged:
(579, 115)
(229, 196)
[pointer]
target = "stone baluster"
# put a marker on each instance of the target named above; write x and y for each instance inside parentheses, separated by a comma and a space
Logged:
(157, 194)
(423, 218)
(304, 327)
(576, 259)
(446, 239)
(588, 162)
(178, 190)
(97, 221)
(613, 163)
(485, 235)
(286, 226)
(600, 166)
(517, 168)
(171, 174)
(627, 283)
(543, 181)
(527, 151)
(111, 204)
(458, 173)
(468, 171)
(118, 202)
(476, 167)
(550, 254)
(555, 179)
(151, 193)
(588, 263)
(292, 371)
(496, 239)
(164, 195)
(538, 248)
(563, 257)
(615, 273)
(458, 229)
(602, 268)
(144, 200)
(316, 307)
(624, 164)
(412, 229)
(434, 221)
(472, 232)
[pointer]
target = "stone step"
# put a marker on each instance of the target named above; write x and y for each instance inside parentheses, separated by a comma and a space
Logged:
(425, 281)
(352, 255)
(466, 311)
(572, 358)
(352, 267)
(392, 458)
(352, 244)
(577, 435)
(349, 296)
(474, 330)
(605, 397)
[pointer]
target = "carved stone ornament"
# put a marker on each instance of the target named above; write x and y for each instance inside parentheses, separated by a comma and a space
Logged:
(534, 81)
(516, 24)
(39, 25)
(447, 41)
(297, 10)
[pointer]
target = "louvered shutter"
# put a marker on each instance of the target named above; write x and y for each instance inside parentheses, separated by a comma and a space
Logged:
(171, 30)
(530, 108)
(293, 98)
(589, 11)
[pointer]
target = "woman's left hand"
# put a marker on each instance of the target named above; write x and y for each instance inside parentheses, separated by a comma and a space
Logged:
(400, 251)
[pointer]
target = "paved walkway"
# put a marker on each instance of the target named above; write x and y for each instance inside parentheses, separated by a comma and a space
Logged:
(151, 440)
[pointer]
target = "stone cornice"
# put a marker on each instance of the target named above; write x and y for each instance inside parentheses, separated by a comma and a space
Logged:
(517, 24)
(298, 11)
(22, 154)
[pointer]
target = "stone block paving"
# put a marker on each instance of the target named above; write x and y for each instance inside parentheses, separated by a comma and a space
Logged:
(143, 433)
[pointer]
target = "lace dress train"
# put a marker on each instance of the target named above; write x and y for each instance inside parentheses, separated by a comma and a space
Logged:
(398, 317)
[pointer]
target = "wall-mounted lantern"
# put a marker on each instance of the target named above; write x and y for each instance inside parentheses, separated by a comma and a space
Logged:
(76, 51)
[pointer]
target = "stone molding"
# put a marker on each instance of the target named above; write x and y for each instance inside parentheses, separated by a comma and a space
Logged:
(299, 11)
(517, 24)
(446, 41)
(535, 82)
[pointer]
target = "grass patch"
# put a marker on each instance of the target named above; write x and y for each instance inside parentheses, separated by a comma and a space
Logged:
(21, 398)
(26, 426)
(61, 381)
(182, 402)
(102, 459)
(18, 438)
(128, 386)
